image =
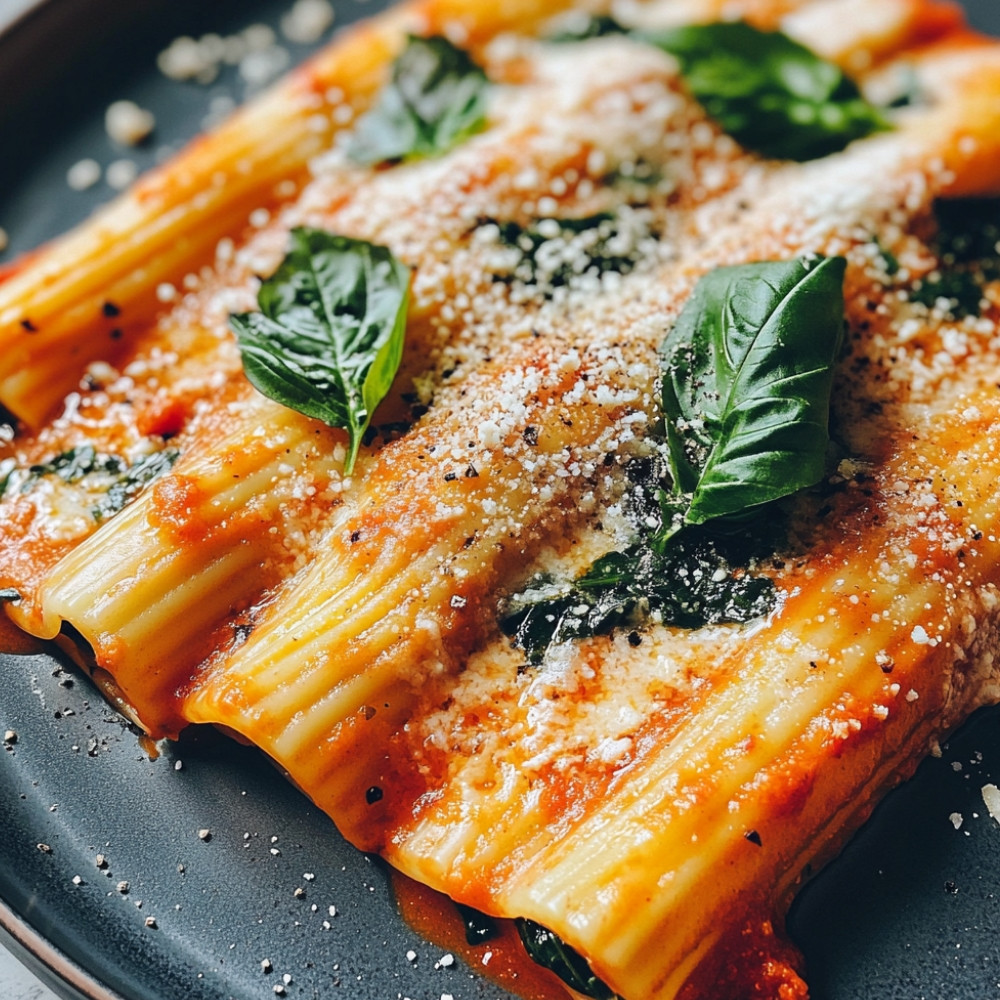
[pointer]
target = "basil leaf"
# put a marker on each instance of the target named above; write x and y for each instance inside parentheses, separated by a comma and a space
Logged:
(748, 370)
(328, 339)
(768, 92)
(548, 950)
(435, 99)
(747, 375)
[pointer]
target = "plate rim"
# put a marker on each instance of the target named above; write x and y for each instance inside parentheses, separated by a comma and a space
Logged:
(47, 962)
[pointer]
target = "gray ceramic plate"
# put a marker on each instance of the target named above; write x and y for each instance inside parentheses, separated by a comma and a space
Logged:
(910, 910)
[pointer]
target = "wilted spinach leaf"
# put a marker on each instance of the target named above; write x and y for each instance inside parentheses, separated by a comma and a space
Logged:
(685, 580)
(967, 244)
(119, 481)
(596, 26)
(550, 951)
(133, 479)
(73, 465)
(555, 253)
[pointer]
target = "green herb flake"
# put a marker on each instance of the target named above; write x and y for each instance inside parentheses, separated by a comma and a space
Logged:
(548, 950)
(771, 94)
(436, 99)
(747, 377)
(328, 339)
(889, 261)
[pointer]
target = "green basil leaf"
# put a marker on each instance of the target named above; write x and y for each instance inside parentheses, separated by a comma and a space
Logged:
(435, 99)
(328, 339)
(748, 371)
(747, 376)
(767, 91)
(548, 950)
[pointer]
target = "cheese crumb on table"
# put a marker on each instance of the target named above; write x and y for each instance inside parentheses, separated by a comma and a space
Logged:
(307, 20)
(83, 174)
(128, 124)
(991, 796)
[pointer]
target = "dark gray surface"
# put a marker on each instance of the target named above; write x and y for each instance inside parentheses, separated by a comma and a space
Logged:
(78, 781)
(910, 910)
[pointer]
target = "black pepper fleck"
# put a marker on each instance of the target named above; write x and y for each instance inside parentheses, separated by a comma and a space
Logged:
(373, 795)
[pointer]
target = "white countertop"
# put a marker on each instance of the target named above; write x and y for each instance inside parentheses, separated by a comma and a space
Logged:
(16, 982)
(11, 9)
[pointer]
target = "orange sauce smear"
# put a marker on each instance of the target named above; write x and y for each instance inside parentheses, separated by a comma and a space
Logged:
(16, 642)
(501, 959)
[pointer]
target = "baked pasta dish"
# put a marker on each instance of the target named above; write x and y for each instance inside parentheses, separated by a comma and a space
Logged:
(565, 439)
